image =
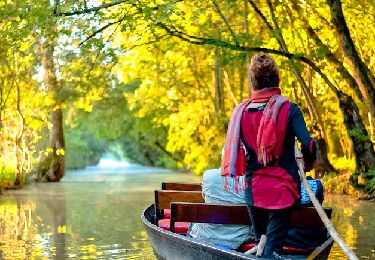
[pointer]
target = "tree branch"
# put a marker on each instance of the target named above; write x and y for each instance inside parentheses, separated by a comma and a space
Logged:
(147, 43)
(223, 44)
(259, 12)
(316, 13)
(99, 31)
(266, 22)
(279, 37)
(87, 10)
(169, 154)
(235, 38)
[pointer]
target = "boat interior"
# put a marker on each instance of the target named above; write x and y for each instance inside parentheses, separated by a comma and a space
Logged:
(177, 205)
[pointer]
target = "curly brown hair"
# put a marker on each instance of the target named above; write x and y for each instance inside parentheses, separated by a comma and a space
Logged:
(263, 72)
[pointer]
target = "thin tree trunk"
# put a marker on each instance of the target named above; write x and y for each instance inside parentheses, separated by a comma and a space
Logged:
(242, 77)
(361, 73)
(57, 166)
(296, 97)
(229, 88)
(218, 81)
(322, 164)
(243, 65)
(19, 181)
(334, 60)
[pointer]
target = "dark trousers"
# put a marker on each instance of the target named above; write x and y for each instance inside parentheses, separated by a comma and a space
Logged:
(273, 223)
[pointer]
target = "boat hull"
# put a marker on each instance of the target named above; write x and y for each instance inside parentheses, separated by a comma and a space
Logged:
(170, 246)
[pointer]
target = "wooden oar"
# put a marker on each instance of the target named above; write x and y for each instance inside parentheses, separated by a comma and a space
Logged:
(336, 236)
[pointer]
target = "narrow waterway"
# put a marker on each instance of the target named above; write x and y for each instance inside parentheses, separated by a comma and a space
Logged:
(95, 214)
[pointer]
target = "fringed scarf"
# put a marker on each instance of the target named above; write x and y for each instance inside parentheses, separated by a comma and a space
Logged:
(270, 136)
(233, 163)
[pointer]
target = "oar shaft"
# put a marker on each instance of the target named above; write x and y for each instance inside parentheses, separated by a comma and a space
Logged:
(336, 236)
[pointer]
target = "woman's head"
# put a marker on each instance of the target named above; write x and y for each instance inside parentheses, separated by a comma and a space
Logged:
(263, 72)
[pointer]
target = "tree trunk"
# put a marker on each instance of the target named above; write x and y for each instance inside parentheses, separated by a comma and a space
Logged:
(20, 158)
(218, 81)
(243, 65)
(57, 163)
(57, 166)
(322, 164)
(295, 95)
(361, 72)
(352, 120)
(362, 146)
(365, 155)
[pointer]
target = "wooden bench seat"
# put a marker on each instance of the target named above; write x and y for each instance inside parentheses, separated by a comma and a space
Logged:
(163, 200)
(238, 214)
(182, 186)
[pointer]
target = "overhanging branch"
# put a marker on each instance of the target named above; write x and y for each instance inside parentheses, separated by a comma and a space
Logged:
(223, 44)
(157, 39)
(99, 31)
(88, 10)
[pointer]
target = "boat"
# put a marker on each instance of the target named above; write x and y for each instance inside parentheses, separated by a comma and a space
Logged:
(170, 246)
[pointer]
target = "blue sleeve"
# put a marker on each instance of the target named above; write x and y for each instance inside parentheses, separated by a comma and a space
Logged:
(300, 131)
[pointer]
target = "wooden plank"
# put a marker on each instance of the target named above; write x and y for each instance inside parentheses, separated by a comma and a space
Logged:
(183, 186)
(236, 214)
(163, 198)
(209, 213)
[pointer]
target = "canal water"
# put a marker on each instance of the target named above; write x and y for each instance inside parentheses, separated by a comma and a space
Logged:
(95, 214)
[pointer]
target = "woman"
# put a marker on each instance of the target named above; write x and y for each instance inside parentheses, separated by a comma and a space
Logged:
(264, 128)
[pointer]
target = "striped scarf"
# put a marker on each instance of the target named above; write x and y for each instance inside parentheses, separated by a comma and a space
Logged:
(270, 136)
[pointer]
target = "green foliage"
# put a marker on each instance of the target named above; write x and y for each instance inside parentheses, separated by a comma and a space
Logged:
(370, 184)
(358, 133)
(82, 149)
(7, 175)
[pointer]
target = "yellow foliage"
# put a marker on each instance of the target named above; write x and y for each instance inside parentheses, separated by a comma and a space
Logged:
(60, 152)
(61, 229)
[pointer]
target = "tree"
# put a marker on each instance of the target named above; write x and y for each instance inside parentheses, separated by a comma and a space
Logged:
(56, 158)
(361, 73)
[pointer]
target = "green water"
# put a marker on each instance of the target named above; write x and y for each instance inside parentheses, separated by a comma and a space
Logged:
(95, 214)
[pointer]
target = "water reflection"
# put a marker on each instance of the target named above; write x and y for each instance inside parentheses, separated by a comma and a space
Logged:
(32, 228)
(355, 221)
(94, 214)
